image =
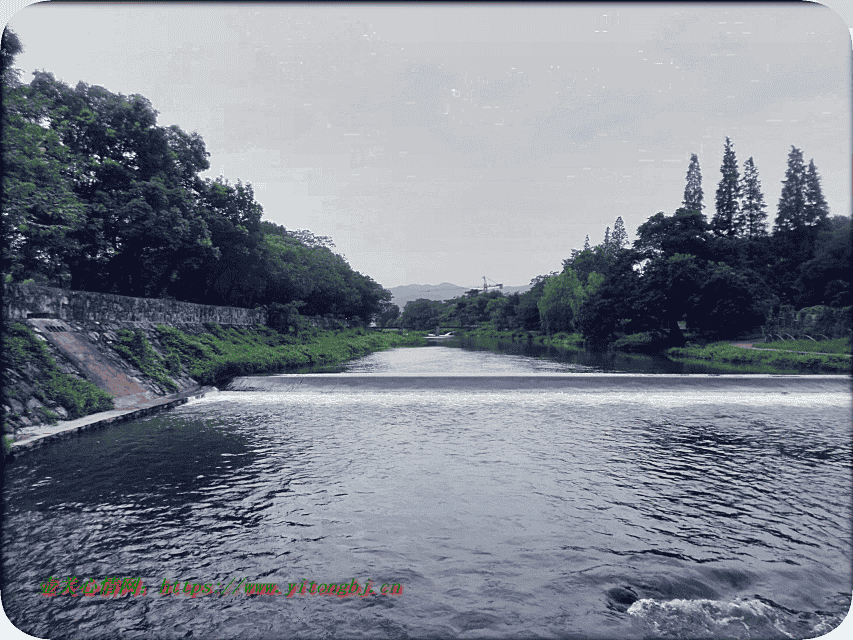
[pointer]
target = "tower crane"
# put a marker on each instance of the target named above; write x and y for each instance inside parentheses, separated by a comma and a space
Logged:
(495, 285)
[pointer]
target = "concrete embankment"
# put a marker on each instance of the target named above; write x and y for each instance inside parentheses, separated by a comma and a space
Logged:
(30, 438)
(68, 337)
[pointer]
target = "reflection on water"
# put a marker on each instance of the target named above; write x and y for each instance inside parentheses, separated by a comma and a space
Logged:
(718, 508)
(527, 356)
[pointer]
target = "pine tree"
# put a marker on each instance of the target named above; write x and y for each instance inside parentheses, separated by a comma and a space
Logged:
(619, 238)
(815, 209)
(751, 219)
(791, 213)
(608, 250)
(728, 194)
(693, 195)
(586, 243)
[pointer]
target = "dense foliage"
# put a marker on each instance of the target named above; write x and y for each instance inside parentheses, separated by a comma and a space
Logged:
(98, 197)
(715, 280)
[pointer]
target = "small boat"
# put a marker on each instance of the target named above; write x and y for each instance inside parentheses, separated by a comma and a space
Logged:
(432, 336)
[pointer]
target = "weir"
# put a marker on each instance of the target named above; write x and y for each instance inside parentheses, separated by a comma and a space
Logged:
(569, 382)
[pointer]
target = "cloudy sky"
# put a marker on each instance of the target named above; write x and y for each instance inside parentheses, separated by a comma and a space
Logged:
(444, 143)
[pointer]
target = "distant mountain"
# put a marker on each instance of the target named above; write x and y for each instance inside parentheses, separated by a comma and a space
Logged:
(444, 291)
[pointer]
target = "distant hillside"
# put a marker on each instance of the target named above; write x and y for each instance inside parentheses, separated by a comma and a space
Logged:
(443, 291)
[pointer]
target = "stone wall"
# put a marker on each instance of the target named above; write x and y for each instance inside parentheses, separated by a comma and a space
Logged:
(21, 301)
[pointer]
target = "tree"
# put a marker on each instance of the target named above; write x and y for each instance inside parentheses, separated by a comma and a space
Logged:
(670, 286)
(619, 238)
(791, 210)
(586, 243)
(728, 302)
(815, 208)
(388, 313)
(41, 213)
(10, 47)
(422, 314)
(662, 236)
(609, 307)
(560, 301)
(728, 195)
(693, 195)
(752, 217)
(606, 245)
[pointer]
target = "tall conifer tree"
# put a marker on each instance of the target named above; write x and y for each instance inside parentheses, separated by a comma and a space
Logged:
(790, 216)
(815, 209)
(619, 238)
(752, 217)
(693, 195)
(728, 194)
(608, 250)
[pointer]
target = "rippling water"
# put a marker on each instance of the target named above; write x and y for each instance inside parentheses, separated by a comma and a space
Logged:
(507, 505)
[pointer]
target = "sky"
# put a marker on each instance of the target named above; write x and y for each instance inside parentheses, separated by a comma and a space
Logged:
(443, 143)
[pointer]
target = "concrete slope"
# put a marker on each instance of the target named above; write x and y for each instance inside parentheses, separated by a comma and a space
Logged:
(126, 391)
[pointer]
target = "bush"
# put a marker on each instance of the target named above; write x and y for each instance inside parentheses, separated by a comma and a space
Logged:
(133, 346)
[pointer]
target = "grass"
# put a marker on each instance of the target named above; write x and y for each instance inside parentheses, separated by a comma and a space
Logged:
(133, 346)
(25, 352)
(770, 361)
(227, 352)
(838, 345)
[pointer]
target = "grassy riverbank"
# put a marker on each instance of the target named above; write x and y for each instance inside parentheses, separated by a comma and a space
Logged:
(720, 354)
(38, 390)
(223, 353)
(768, 361)
(839, 345)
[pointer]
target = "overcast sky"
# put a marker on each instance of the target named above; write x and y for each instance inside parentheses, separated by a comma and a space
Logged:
(444, 143)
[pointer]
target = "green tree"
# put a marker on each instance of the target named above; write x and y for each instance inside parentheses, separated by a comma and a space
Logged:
(693, 195)
(815, 208)
(609, 309)
(751, 222)
(619, 239)
(729, 302)
(791, 211)
(669, 291)
(728, 195)
(422, 314)
(388, 314)
(40, 210)
(684, 232)
(563, 297)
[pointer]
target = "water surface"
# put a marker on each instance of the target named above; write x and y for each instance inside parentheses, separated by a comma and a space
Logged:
(527, 501)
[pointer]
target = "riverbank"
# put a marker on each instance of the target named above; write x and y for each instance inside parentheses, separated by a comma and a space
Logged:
(771, 360)
(34, 437)
(139, 366)
(720, 354)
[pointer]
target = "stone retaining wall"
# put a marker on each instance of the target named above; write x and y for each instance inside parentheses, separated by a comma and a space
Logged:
(27, 300)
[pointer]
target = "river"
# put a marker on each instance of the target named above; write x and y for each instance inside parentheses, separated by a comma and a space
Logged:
(508, 497)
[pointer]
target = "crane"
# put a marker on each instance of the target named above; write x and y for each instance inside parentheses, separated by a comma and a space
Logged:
(486, 287)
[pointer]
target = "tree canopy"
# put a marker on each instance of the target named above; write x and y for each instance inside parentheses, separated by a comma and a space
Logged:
(99, 197)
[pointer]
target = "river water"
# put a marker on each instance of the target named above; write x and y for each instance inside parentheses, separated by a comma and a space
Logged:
(508, 496)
